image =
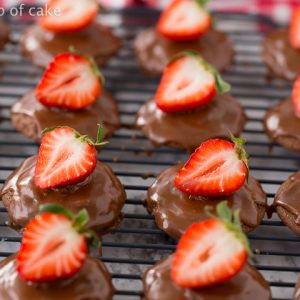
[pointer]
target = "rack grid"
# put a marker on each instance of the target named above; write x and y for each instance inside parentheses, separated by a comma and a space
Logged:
(137, 243)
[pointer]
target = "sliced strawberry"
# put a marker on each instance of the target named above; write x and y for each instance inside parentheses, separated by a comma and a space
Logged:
(71, 81)
(217, 168)
(184, 20)
(187, 83)
(68, 15)
(296, 97)
(65, 157)
(54, 245)
(294, 32)
(210, 252)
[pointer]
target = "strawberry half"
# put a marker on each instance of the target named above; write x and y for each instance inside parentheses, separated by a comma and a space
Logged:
(210, 252)
(54, 245)
(296, 97)
(217, 168)
(71, 81)
(294, 31)
(65, 157)
(184, 20)
(68, 15)
(188, 82)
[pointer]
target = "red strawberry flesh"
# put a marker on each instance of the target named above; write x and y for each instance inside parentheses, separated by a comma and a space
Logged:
(186, 84)
(215, 169)
(184, 20)
(63, 159)
(296, 97)
(294, 31)
(207, 254)
(51, 249)
(68, 16)
(69, 82)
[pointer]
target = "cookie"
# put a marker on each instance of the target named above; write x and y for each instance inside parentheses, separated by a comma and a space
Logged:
(154, 51)
(175, 211)
(31, 117)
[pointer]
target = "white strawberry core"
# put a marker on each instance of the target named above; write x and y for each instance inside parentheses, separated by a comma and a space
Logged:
(187, 15)
(191, 79)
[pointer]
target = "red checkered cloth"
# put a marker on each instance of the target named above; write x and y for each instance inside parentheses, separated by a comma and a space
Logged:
(279, 10)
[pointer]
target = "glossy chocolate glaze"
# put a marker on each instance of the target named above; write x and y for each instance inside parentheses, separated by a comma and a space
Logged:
(287, 203)
(4, 34)
(104, 111)
(281, 58)
(175, 211)
(247, 285)
(297, 291)
(42, 46)
(282, 125)
(154, 51)
(189, 129)
(92, 282)
(101, 194)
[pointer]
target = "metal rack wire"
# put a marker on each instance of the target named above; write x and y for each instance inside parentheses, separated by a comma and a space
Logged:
(137, 243)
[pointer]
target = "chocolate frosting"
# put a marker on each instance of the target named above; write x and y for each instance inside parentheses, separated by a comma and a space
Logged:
(282, 125)
(154, 51)
(101, 194)
(42, 46)
(281, 58)
(92, 282)
(4, 34)
(247, 285)
(189, 129)
(287, 197)
(297, 291)
(104, 111)
(175, 211)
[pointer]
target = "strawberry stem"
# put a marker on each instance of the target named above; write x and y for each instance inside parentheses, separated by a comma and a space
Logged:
(231, 221)
(240, 150)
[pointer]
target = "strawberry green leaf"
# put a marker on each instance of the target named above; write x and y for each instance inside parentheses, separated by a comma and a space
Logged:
(56, 209)
(80, 220)
(202, 2)
(232, 223)
(222, 85)
(92, 238)
(224, 212)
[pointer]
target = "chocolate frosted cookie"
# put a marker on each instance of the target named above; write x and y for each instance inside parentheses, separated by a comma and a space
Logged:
(188, 129)
(175, 211)
(4, 34)
(297, 291)
(154, 51)
(101, 194)
(92, 282)
(282, 125)
(286, 202)
(282, 59)
(31, 117)
(41, 46)
(247, 285)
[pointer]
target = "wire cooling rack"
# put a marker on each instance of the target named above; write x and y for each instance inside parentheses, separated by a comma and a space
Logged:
(137, 243)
